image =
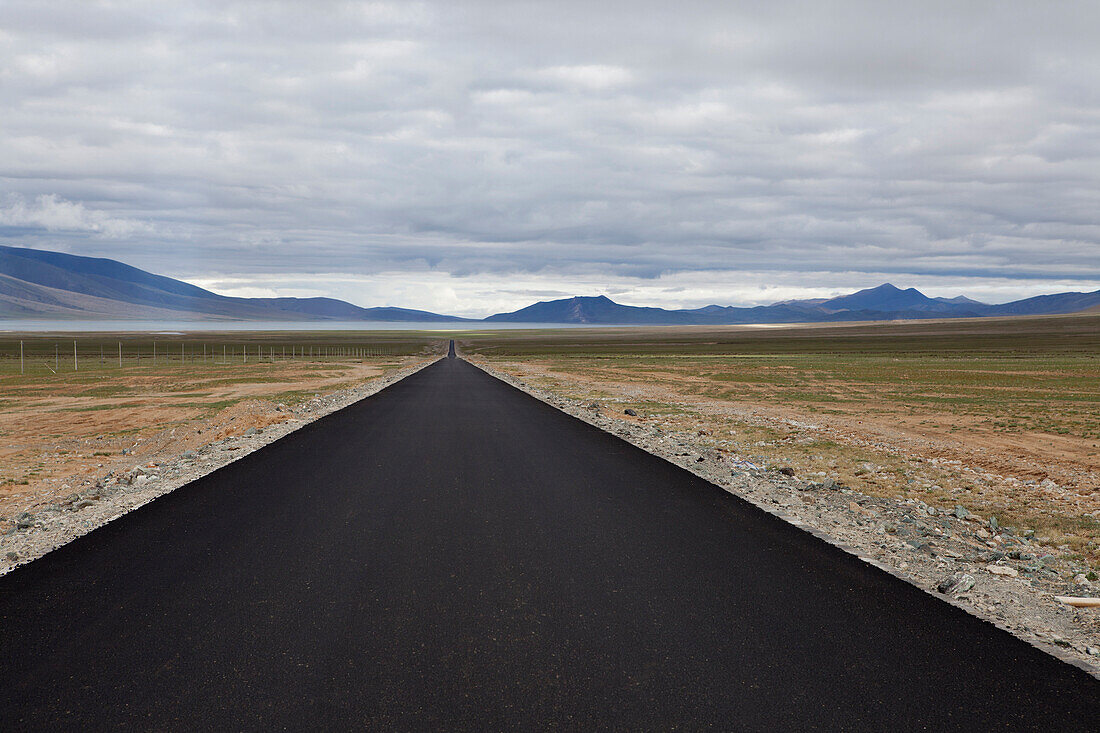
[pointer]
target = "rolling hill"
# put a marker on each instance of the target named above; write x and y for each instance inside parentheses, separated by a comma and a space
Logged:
(882, 303)
(43, 284)
(55, 285)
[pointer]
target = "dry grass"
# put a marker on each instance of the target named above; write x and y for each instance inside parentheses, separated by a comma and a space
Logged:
(985, 414)
(61, 428)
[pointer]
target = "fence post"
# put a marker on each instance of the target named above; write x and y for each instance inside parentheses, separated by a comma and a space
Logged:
(20, 357)
(119, 354)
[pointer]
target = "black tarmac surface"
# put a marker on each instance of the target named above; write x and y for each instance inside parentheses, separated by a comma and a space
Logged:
(453, 554)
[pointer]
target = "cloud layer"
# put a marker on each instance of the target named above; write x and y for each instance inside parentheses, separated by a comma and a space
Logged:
(684, 154)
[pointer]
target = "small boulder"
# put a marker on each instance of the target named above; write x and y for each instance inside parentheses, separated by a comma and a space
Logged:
(960, 512)
(1005, 570)
(630, 412)
(956, 583)
(785, 470)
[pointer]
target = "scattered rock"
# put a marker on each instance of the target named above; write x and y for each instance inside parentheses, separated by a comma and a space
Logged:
(25, 520)
(960, 512)
(13, 556)
(956, 583)
(1005, 570)
(785, 470)
(630, 412)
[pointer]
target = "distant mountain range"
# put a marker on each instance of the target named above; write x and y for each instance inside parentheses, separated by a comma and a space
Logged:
(54, 285)
(42, 284)
(884, 303)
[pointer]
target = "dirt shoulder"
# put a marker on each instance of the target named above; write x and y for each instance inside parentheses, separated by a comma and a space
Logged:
(896, 500)
(86, 467)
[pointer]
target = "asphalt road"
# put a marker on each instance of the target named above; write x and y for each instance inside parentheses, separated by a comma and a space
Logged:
(452, 554)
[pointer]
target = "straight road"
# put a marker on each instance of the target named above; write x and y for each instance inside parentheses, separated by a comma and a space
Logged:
(452, 554)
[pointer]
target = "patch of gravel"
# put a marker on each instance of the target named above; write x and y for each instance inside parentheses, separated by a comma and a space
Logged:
(960, 557)
(28, 536)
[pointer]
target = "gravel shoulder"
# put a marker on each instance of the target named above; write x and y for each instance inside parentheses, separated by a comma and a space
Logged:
(964, 559)
(30, 535)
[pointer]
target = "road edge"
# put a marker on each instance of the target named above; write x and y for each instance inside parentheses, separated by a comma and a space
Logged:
(56, 527)
(1090, 669)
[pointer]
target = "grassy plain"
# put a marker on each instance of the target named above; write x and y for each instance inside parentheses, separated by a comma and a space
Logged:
(999, 415)
(62, 423)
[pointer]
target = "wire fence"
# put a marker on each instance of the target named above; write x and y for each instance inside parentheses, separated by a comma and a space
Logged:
(38, 355)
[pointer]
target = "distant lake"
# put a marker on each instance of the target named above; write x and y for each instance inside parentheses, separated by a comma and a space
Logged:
(38, 326)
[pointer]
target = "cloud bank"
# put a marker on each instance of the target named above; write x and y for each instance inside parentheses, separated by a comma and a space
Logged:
(468, 156)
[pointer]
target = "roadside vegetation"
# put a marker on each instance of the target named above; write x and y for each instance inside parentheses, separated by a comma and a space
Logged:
(65, 421)
(1001, 416)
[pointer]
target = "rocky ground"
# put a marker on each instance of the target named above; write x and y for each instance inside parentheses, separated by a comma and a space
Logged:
(995, 572)
(168, 462)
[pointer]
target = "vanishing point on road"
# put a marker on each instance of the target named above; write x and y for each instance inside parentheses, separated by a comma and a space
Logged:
(452, 553)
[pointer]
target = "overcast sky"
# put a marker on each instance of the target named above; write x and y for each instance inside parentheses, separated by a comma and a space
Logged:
(471, 157)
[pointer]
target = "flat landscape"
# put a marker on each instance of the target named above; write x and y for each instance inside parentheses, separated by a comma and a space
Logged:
(961, 455)
(1016, 399)
(450, 553)
(68, 429)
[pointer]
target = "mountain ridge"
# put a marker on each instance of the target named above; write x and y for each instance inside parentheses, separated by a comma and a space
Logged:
(59, 285)
(41, 283)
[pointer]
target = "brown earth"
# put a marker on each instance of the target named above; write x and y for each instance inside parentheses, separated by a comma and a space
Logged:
(1047, 482)
(58, 437)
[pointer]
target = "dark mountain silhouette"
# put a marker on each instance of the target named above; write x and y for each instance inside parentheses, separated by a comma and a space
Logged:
(887, 298)
(37, 283)
(597, 309)
(883, 303)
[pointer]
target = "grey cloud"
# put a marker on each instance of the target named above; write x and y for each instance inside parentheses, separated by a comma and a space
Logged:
(560, 141)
